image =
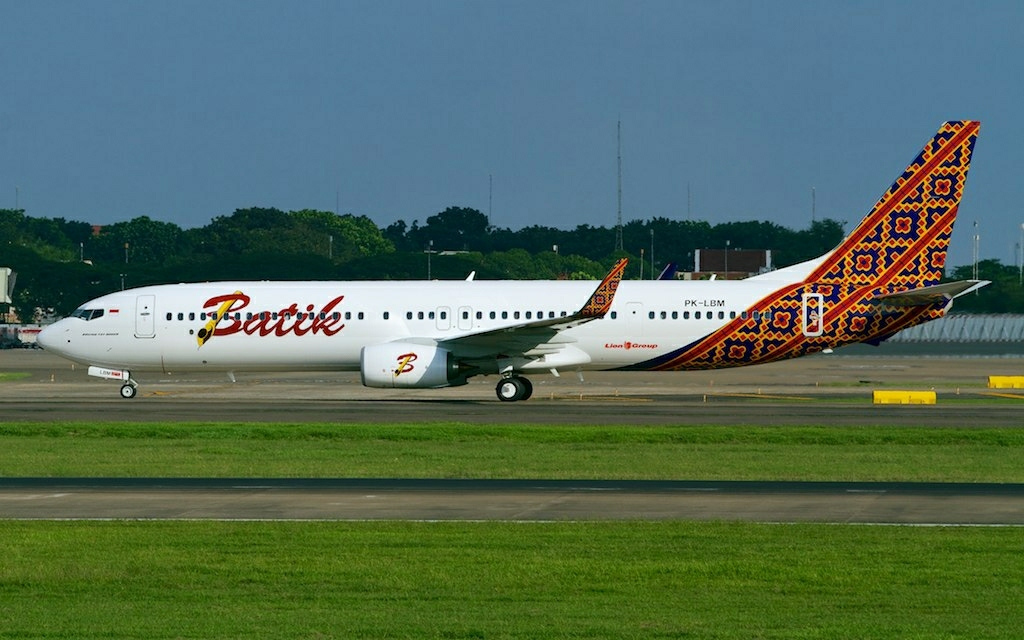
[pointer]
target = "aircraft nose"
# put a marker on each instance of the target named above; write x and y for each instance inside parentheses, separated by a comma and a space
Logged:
(48, 337)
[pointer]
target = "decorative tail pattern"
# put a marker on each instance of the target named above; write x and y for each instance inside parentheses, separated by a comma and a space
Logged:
(900, 245)
(903, 240)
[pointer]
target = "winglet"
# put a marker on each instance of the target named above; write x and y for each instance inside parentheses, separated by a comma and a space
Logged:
(601, 300)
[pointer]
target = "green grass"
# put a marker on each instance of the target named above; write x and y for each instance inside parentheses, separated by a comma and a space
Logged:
(8, 376)
(513, 451)
(501, 580)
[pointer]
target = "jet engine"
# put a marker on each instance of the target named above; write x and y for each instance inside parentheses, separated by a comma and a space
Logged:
(404, 365)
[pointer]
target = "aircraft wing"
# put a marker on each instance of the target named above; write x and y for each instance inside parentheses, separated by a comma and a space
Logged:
(935, 294)
(537, 337)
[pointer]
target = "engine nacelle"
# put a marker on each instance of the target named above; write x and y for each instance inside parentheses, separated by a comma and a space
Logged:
(404, 365)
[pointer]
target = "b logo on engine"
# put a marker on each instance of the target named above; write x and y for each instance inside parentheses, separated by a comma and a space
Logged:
(405, 363)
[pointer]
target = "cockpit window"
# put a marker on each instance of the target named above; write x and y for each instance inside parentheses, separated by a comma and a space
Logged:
(87, 314)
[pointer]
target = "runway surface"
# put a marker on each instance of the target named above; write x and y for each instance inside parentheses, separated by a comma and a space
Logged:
(510, 500)
(815, 390)
(829, 390)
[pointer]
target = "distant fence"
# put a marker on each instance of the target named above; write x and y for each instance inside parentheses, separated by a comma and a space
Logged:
(966, 327)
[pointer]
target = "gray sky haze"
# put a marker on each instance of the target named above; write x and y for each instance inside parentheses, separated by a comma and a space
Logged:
(184, 111)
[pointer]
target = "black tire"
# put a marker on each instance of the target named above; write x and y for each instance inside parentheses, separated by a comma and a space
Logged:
(527, 388)
(128, 391)
(510, 389)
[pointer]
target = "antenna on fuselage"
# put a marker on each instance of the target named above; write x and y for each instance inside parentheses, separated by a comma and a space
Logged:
(618, 155)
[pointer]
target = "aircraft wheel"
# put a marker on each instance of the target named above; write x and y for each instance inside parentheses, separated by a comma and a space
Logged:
(128, 391)
(527, 388)
(510, 389)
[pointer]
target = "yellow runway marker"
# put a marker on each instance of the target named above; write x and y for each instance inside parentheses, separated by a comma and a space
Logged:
(1006, 382)
(904, 397)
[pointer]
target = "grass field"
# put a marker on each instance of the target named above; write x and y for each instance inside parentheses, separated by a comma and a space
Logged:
(513, 451)
(501, 580)
(203, 579)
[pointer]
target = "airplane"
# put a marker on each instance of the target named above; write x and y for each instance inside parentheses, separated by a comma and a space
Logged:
(883, 277)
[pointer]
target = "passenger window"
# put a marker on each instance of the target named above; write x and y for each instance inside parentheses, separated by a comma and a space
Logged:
(348, 315)
(504, 315)
(430, 315)
(386, 315)
(664, 315)
(614, 314)
(515, 315)
(170, 316)
(650, 314)
(721, 315)
(686, 315)
(493, 315)
(479, 315)
(465, 315)
(675, 315)
(732, 315)
(419, 315)
(696, 315)
(408, 315)
(360, 316)
(529, 315)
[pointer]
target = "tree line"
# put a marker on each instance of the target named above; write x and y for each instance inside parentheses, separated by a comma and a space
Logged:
(63, 263)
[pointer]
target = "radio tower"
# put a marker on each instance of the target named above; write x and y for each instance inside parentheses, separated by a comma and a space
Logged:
(618, 225)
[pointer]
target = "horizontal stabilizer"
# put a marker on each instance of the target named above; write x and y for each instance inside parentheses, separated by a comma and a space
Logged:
(925, 296)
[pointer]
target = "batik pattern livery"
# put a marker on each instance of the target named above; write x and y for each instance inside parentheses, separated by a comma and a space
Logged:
(601, 300)
(900, 245)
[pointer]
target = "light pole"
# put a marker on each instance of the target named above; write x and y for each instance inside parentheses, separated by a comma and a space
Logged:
(652, 253)
(1020, 269)
(727, 243)
(977, 241)
(430, 250)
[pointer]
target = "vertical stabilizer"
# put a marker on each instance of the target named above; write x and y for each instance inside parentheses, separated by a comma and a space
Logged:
(902, 242)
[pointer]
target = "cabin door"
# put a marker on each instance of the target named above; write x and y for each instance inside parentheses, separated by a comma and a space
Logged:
(812, 316)
(145, 316)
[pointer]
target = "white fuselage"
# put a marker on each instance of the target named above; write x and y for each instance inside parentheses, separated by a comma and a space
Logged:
(157, 328)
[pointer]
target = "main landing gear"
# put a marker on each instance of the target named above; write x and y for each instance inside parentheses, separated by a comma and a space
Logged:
(514, 388)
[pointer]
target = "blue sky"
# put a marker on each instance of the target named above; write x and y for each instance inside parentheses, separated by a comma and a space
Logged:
(183, 111)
